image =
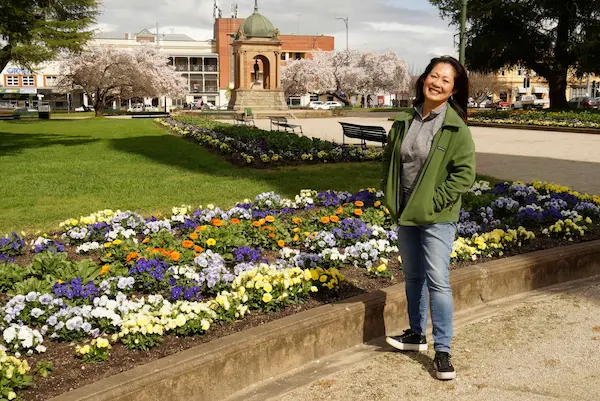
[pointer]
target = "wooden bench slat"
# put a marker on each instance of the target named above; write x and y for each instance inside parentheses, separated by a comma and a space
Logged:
(364, 133)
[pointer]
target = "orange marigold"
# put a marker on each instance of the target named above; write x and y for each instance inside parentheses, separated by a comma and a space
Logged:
(175, 255)
(187, 244)
(335, 219)
(198, 248)
(200, 228)
(256, 223)
(216, 222)
(281, 243)
(131, 256)
(146, 240)
(271, 235)
(325, 220)
(297, 220)
(339, 210)
(296, 238)
(262, 221)
(235, 221)
(359, 203)
(296, 230)
(105, 269)
(377, 204)
(270, 219)
(194, 235)
(358, 212)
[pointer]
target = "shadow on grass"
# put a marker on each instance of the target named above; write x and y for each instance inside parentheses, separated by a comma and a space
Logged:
(176, 151)
(12, 144)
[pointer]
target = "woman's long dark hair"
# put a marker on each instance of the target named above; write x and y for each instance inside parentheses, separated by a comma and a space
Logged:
(460, 98)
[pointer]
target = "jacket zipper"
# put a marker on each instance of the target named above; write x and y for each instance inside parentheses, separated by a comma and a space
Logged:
(426, 166)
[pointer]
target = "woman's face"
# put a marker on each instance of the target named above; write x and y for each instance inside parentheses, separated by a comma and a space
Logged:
(439, 84)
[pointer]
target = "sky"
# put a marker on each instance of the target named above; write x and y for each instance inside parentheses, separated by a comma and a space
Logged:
(411, 28)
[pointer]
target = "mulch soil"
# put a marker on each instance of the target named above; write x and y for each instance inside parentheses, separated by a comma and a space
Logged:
(71, 372)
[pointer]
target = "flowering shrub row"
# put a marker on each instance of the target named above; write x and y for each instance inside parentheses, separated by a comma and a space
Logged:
(257, 148)
(573, 119)
(146, 278)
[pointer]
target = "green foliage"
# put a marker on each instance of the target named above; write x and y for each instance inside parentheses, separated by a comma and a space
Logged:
(44, 368)
(34, 31)
(548, 37)
(32, 284)
(11, 273)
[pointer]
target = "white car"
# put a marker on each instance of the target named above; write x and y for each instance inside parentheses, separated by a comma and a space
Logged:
(317, 104)
(83, 108)
(525, 102)
(331, 105)
(136, 108)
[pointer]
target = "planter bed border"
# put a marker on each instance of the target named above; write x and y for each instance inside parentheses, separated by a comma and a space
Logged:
(216, 370)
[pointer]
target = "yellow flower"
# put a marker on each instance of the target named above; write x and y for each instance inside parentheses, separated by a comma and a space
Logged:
(381, 268)
(102, 343)
(268, 287)
(314, 289)
(267, 297)
(323, 278)
(117, 242)
(211, 242)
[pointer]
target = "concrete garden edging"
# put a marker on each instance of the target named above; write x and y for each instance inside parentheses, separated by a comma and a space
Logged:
(224, 366)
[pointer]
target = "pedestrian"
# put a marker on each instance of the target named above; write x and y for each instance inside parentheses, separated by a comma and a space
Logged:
(369, 100)
(362, 102)
(428, 164)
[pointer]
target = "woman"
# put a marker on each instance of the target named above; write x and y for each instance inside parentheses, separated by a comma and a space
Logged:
(429, 162)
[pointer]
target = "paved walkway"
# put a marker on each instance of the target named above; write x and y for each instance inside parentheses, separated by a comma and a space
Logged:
(565, 158)
(543, 345)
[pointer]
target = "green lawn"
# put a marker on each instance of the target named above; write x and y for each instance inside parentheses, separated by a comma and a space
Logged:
(53, 170)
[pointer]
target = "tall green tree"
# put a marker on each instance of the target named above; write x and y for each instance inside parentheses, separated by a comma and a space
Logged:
(550, 37)
(34, 31)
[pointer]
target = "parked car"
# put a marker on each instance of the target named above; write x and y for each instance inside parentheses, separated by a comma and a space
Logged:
(541, 103)
(316, 104)
(525, 102)
(331, 105)
(83, 108)
(584, 102)
(136, 108)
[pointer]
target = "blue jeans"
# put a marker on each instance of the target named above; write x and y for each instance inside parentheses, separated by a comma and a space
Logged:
(425, 253)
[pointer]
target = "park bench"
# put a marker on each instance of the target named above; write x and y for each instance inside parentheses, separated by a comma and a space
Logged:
(242, 118)
(364, 133)
(282, 122)
(10, 117)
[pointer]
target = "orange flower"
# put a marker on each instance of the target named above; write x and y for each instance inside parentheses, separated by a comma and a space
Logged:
(105, 269)
(235, 221)
(201, 228)
(296, 238)
(272, 229)
(358, 212)
(296, 230)
(339, 210)
(187, 244)
(132, 255)
(335, 219)
(194, 235)
(175, 255)
(216, 222)
(281, 243)
(146, 240)
(198, 248)
(377, 204)
(306, 233)
(297, 220)
(325, 220)
(271, 235)
(256, 223)
(265, 228)
(270, 219)
(261, 221)
(359, 204)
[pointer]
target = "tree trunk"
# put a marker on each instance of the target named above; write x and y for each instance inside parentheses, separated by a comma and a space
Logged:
(557, 80)
(99, 107)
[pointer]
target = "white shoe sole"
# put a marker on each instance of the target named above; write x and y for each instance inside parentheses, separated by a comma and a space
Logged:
(405, 347)
(444, 375)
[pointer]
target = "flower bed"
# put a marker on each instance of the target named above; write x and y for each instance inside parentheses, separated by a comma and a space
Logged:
(115, 282)
(571, 119)
(250, 146)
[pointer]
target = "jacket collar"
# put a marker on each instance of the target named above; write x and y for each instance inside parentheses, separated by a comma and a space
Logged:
(452, 118)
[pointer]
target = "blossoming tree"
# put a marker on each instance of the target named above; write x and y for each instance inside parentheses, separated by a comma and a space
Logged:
(346, 73)
(107, 73)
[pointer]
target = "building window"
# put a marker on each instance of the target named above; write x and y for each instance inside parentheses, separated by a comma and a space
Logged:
(51, 80)
(283, 57)
(28, 80)
(12, 80)
(314, 98)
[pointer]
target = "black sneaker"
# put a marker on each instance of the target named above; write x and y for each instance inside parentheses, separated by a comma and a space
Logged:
(442, 363)
(408, 341)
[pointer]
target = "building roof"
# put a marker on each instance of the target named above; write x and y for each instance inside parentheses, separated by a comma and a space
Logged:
(164, 36)
(256, 26)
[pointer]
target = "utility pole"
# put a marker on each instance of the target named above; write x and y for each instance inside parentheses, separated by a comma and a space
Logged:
(345, 19)
(463, 32)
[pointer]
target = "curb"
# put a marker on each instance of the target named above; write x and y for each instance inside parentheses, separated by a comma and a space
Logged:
(216, 370)
(574, 130)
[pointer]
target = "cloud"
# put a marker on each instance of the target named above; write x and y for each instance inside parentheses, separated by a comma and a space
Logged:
(411, 28)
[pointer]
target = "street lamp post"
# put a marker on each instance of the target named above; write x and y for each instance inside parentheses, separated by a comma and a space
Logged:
(315, 41)
(345, 19)
(463, 31)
